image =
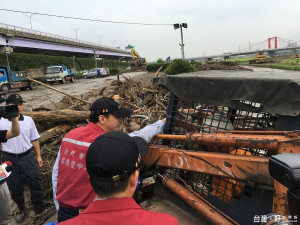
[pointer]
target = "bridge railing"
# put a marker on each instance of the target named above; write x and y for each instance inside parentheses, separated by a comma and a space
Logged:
(25, 32)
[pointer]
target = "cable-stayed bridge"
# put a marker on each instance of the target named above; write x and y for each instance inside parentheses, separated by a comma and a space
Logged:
(271, 46)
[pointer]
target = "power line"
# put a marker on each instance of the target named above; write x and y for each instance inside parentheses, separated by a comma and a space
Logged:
(86, 19)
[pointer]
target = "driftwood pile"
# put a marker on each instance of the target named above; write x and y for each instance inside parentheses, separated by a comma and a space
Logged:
(221, 65)
(137, 68)
(143, 98)
(55, 120)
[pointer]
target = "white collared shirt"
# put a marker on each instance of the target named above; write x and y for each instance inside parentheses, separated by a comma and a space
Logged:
(21, 143)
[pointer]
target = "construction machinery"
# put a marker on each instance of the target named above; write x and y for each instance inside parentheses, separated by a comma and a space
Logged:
(222, 128)
(136, 59)
(260, 58)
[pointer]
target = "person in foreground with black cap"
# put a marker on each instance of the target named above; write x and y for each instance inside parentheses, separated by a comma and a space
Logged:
(17, 150)
(72, 190)
(112, 163)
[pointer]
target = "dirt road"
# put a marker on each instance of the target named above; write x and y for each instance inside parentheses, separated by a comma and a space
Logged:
(44, 96)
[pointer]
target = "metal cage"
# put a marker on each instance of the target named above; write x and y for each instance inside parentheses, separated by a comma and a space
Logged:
(225, 193)
(223, 102)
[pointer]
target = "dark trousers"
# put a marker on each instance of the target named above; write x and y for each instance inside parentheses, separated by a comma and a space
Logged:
(66, 214)
(25, 166)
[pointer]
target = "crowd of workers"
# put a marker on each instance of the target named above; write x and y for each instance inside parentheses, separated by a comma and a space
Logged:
(95, 173)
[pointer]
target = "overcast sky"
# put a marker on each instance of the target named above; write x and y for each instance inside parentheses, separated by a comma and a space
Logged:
(214, 27)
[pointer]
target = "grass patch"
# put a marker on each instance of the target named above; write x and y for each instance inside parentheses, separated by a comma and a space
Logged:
(280, 63)
(242, 60)
(278, 66)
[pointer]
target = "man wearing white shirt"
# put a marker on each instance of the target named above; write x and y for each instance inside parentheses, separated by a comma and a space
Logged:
(18, 151)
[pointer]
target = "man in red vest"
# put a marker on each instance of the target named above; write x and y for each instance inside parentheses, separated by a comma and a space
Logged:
(112, 162)
(72, 190)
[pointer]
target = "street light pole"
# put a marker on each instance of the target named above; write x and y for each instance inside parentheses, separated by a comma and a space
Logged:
(75, 30)
(95, 58)
(176, 26)
(113, 42)
(119, 68)
(182, 45)
(31, 15)
(99, 37)
(118, 76)
(74, 62)
(120, 62)
(7, 60)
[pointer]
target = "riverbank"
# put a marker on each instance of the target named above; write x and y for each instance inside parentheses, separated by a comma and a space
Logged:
(289, 62)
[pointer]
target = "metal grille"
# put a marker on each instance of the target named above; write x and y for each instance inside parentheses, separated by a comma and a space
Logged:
(202, 118)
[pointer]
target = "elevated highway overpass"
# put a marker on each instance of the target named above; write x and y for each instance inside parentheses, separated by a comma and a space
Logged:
(23, 40)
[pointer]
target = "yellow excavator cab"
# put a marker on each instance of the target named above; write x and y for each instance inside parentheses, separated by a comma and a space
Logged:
(260, 58)
(138, 61)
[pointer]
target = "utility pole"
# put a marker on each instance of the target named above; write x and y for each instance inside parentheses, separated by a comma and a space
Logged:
(176, 26)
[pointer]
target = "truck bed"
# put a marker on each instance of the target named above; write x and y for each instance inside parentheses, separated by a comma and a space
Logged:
(36, 73)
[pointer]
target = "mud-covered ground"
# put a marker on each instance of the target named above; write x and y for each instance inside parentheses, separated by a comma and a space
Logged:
(43, 96)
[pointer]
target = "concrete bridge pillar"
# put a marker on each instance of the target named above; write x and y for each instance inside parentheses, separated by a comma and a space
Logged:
(6, 49)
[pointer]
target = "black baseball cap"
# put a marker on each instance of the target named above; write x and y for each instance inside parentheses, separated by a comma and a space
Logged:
(106, 105)
(14, 98)
(114, 156)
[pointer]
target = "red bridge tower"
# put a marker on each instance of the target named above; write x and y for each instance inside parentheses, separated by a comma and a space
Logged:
(275, 42)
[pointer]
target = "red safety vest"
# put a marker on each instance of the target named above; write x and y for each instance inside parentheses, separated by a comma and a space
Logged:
(73, 186)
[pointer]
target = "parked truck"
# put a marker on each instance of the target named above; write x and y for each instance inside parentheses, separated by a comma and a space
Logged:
(59, 73)
(11, 80)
